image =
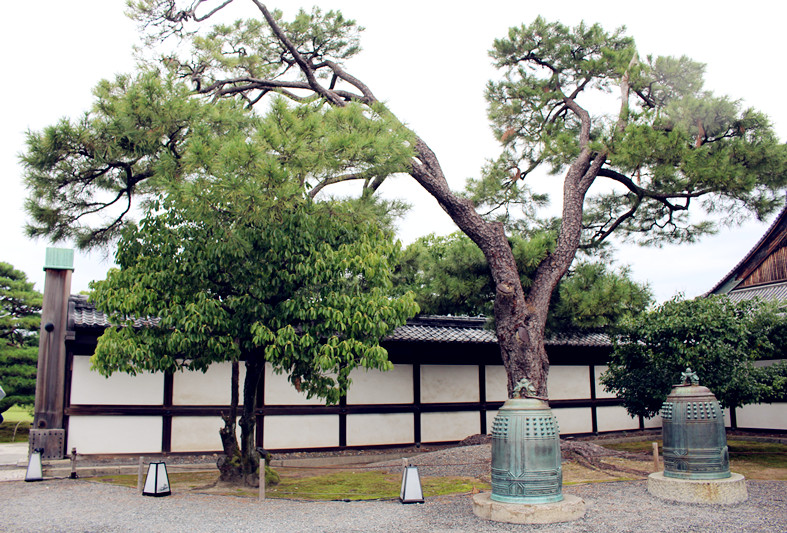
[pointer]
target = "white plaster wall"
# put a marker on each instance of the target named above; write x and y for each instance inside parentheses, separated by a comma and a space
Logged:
(114, 434)
(615, 419)
(564, 383)
(449, 384)
(496, 383)
(394, 428)
(490, 418)
(193, 387)
(197, 433)
(568, 382)
(574, 420)
(762, 416)
(654, 422)
(91, 388)
(279, 391)
(767, 362)
(306, 431)
(600, 392)
(371, 386)
(439, 427)
(570, 420)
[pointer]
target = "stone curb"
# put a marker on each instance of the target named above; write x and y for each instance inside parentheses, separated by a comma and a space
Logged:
(569, 508)
(727, 491)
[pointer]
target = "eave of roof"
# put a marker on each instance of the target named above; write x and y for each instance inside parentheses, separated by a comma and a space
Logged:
(429, 329)
(771, 291)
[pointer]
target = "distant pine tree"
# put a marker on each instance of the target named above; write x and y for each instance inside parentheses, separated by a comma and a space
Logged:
(20, 319)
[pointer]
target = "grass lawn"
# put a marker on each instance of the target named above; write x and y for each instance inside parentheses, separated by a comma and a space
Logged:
(336, 485)
(753, 459)
(17, 414)
(16, 419)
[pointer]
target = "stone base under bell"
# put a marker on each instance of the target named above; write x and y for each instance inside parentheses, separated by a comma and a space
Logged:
(568, 509)
(725, 491)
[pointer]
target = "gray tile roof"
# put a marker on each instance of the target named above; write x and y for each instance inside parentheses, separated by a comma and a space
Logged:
(773, 291)
(474, 330)
(83, 314)
(437, 329)
(445, 329)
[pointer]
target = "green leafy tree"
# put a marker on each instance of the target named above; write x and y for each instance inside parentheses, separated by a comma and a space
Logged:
(449, 275)
(20, 319)
(718, 338)
(668, 146)
(237, 263)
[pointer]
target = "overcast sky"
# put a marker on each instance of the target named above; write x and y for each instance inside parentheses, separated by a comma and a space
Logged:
(428, 60)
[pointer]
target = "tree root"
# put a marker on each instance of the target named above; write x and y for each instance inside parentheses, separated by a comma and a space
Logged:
(589, 455)
(583, 453)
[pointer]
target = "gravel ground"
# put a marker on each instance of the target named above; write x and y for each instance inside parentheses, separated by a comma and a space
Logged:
(473, 461)
(67, 505)
(84, 506)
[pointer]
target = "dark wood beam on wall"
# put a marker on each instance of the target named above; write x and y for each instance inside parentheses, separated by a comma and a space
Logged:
(593, 413)
(417, 404)
(166, 419)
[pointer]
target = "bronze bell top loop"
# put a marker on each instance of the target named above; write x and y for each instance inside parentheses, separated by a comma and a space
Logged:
(689, 378)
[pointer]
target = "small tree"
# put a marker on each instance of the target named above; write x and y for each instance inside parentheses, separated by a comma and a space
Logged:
(236, 263)
(20, 319)
(718, 338)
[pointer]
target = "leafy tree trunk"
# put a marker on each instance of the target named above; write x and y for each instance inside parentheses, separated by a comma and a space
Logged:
(241, 463)
(250, 459)
(228, 471)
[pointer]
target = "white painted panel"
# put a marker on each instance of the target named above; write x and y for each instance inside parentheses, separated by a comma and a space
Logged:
(439, 427)
(768, 362)
(496, 383)
(572, 420)
(568, 382)
(91, 388)
(394, 428)
(213, 387)
(197, 433)
(654, 422)
(306, 431)
(763, 416)
(615, 419)
(490, 419)
(371, 386)
(279, 391)
(727, 418)
(114, 434)
(449, 384)
(600, 392)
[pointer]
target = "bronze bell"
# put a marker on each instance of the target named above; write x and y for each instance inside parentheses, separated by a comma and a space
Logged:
(526, 451)
(695, 440)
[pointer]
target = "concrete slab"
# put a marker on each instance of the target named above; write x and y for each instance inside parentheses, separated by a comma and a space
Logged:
(13, 454)
(566, 510)
(726, 491)
(13, 474)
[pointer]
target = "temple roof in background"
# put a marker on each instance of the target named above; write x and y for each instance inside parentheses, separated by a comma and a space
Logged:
(763, 271)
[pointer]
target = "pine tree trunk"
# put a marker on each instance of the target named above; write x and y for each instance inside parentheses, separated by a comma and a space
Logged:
(521, 320)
